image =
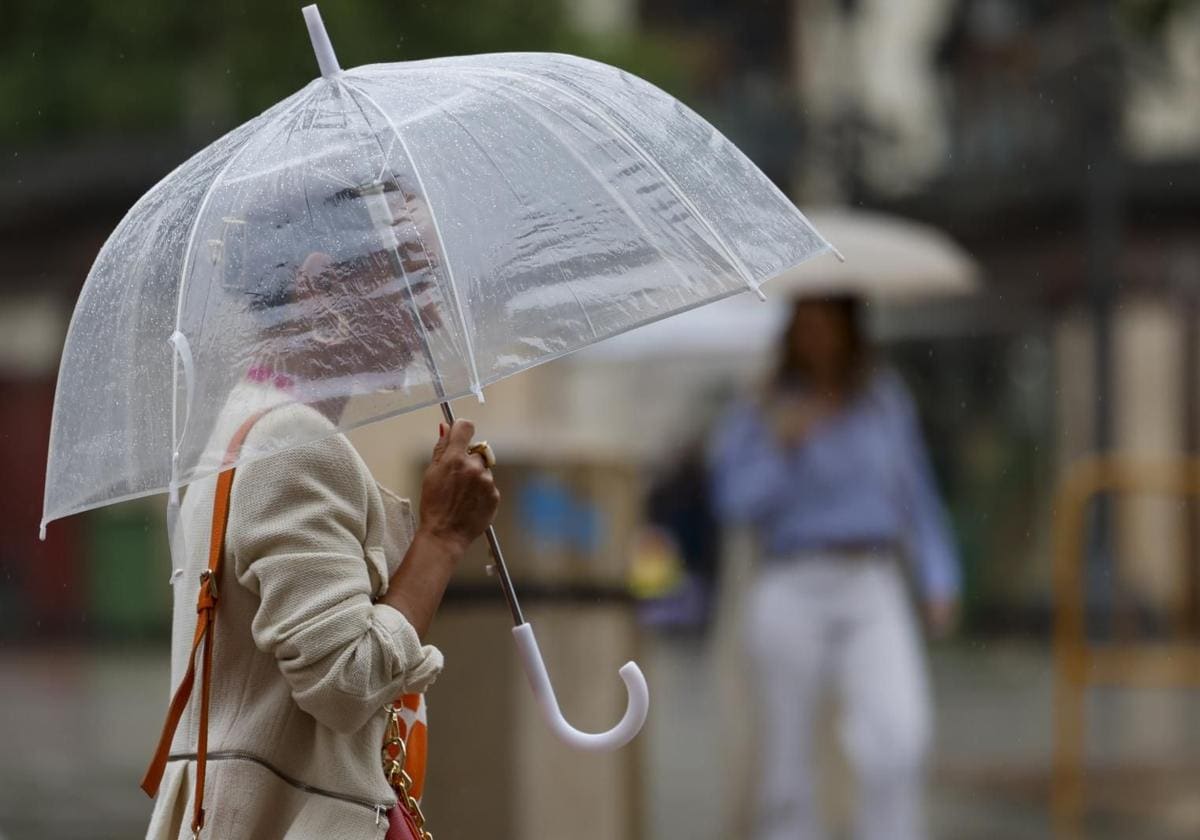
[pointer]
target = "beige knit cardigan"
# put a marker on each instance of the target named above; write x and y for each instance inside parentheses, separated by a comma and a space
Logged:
(304, 657)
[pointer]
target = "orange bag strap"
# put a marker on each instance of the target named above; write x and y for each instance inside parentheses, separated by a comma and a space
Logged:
(206, 618)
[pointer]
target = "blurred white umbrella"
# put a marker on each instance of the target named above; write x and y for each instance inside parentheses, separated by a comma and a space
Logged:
(736, 326)
(887, 257)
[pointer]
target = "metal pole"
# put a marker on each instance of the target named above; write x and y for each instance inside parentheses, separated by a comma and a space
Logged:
(1191, 446)
(1103, 222)
(1186, 276)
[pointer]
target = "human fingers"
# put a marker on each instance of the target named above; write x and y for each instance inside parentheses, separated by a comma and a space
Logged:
(440, 446)
(459, 436)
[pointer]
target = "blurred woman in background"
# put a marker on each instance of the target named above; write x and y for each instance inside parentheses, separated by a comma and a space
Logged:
(829, 469)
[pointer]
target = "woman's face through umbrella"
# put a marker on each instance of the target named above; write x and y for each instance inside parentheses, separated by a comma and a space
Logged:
(369, 311)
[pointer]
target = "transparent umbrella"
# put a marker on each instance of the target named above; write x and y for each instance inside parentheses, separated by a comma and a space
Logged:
(397, 236)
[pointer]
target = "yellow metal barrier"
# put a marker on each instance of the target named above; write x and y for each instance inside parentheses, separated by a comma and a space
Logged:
(1079, 663)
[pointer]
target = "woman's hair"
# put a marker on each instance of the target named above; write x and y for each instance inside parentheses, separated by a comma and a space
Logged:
(274, 238)
(791, 369)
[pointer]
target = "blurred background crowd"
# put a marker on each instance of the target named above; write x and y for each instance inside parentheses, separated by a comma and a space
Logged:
(1050, 151)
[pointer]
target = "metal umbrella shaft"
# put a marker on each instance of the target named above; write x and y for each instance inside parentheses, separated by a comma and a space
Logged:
(379, 210)
(493, 542)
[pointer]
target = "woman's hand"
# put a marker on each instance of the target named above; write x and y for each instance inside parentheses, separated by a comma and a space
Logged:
(458, 495)
(458, 501)
(941, 617)
(793, 418)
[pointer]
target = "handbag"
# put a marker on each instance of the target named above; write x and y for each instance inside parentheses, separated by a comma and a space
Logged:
(405, 821)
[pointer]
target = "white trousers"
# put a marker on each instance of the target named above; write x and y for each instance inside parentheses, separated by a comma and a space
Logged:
(829, 622)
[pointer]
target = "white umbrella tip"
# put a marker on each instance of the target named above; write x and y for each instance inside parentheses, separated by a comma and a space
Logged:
(322, 46)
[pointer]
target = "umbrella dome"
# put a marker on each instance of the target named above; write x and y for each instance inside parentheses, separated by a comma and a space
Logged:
(395, 236)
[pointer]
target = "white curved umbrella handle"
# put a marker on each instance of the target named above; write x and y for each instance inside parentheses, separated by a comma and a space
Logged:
(539, 681)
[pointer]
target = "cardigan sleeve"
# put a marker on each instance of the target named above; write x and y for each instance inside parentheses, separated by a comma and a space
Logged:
(297, 542)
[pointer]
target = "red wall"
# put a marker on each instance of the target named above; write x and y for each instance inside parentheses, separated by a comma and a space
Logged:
(41, 585)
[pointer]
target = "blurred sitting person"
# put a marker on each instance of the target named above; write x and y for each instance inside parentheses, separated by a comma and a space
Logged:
(681, 525)
(829, 470)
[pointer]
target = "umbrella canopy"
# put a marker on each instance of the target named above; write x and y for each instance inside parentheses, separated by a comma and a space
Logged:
(887, 257)
(395, 236)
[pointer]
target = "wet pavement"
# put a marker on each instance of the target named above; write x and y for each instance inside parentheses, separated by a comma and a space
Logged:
(77, 725)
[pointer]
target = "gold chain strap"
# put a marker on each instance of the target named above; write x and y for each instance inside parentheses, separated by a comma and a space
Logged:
(397, 776)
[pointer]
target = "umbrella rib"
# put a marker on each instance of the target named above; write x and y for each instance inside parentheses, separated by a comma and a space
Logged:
(649, 160)
(477, 386)
(517, 195)
(176, 431)
(161, 186)
(387, 155)
(439, 385)
(630, 212)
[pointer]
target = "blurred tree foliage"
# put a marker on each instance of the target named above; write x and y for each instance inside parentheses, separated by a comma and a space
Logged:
(1149, 18)
(99, 67)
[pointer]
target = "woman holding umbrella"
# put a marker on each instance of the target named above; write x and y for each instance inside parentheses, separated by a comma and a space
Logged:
(829, 469)
(329, 580)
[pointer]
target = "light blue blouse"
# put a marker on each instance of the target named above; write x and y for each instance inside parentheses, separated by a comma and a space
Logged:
(861, 477)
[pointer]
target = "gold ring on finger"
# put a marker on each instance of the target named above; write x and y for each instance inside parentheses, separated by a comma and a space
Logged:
(483, 451)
